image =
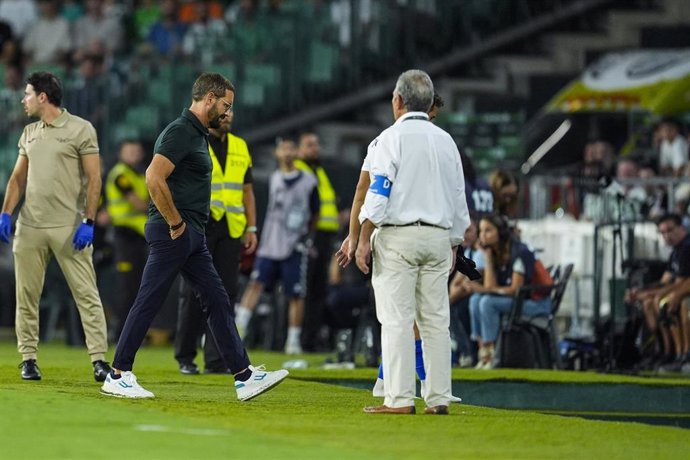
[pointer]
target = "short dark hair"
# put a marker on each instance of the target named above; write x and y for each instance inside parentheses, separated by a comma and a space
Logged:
(671, 216)
(213, 83)
(46, 82)
(438, 101)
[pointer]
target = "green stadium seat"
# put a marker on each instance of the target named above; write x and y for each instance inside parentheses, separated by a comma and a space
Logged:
(144, 117)
(228, 70)
(251, 94)
(123, 131)
(264, 74)
(323, 60)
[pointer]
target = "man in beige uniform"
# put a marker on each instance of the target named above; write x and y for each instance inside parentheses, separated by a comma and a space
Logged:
(58, 172)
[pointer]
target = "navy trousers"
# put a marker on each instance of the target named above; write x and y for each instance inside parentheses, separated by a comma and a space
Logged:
(189, 256)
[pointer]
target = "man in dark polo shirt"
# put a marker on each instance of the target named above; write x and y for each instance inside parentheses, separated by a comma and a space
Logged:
(179, 182)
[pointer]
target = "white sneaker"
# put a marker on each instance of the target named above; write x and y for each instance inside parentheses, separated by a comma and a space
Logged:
(377, 391)
(260, 382)
(455, 399)
(124, 387)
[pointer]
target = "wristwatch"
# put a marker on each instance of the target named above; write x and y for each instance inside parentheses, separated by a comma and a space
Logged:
(88, 222)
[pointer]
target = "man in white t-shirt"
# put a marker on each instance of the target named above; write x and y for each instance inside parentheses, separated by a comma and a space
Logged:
(673, 151)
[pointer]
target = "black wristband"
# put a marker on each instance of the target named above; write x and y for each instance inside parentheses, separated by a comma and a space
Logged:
(176, 226)
(88, 222)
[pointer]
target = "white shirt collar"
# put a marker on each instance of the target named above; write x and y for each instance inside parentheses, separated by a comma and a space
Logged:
(410, 115)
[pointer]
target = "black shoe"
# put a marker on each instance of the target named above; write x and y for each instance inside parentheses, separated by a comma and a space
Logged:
(189, 369)
(100, 370)
(216, 370)
(30, 370)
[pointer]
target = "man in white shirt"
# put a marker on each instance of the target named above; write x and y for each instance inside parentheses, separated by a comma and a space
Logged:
(673, 151)
(416, 203)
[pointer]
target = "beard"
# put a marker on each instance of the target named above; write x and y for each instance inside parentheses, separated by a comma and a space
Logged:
(214, 118)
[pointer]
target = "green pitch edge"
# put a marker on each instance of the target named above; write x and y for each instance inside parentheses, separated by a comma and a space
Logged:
(666, 404)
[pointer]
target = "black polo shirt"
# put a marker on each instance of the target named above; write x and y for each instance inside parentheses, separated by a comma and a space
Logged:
(184, 142)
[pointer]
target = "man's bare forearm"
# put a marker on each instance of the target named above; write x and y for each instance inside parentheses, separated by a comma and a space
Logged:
(162, 198)
(93, 193)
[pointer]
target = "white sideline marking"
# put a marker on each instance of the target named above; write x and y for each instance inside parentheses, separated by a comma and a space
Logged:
(193, 431)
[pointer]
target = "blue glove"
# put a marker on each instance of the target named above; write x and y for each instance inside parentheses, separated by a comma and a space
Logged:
(83, 237)
(5, 227)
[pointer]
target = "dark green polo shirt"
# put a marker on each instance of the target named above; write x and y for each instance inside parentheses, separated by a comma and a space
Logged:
(184, 142)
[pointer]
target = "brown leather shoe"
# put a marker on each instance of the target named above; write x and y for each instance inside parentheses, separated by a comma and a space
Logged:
(409, 410)
(437, 410)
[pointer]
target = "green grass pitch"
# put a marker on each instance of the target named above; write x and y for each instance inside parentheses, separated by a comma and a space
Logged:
(198, 417)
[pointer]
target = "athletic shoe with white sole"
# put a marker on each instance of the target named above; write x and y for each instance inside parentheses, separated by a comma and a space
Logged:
(260, 381)
(124, 387)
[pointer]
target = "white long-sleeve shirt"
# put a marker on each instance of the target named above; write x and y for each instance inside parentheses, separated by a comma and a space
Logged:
(416, 175)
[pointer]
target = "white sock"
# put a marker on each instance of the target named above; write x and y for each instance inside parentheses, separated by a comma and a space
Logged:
(294, 334)
(242, 317)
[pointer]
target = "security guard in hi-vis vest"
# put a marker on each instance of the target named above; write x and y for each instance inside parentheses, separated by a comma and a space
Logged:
(309, 151)
(127, 201)
(232, 222)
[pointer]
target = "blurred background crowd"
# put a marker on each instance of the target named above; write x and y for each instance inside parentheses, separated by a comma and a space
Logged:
(571, 152)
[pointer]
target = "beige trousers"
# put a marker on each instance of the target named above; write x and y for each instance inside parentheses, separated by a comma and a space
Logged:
(33, 249)
(410, 277)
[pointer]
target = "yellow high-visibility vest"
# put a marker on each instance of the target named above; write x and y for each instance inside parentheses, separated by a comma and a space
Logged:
(121, 211)
(227, 185)
(328, 214)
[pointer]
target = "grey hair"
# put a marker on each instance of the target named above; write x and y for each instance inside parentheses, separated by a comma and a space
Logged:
(416, 90)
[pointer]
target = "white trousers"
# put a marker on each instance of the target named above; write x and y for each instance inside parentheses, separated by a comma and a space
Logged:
(410, 272)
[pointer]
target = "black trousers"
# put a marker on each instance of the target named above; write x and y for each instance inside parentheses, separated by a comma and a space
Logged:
(130, 251)
(191, 320)
(189, 256)
(317, 290)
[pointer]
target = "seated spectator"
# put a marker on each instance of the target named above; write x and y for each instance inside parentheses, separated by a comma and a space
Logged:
(167, 34)
(71, 10)
(665, 313)
(656, 199)
(508, 265)
(48, 41)
(673, 149)
(598, 169)
(198, 10)
(98, 27)
(251, 31)
(145, 16)
(11, 94)
(459, 291)
(20, 14)
(88, 91)
(627, 171)
(505, 187)
(205, 33)
(10, 52)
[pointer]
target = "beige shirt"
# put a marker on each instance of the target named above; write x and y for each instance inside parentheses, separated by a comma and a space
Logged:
(56, 186)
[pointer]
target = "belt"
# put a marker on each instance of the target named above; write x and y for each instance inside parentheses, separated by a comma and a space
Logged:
(418, 223)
